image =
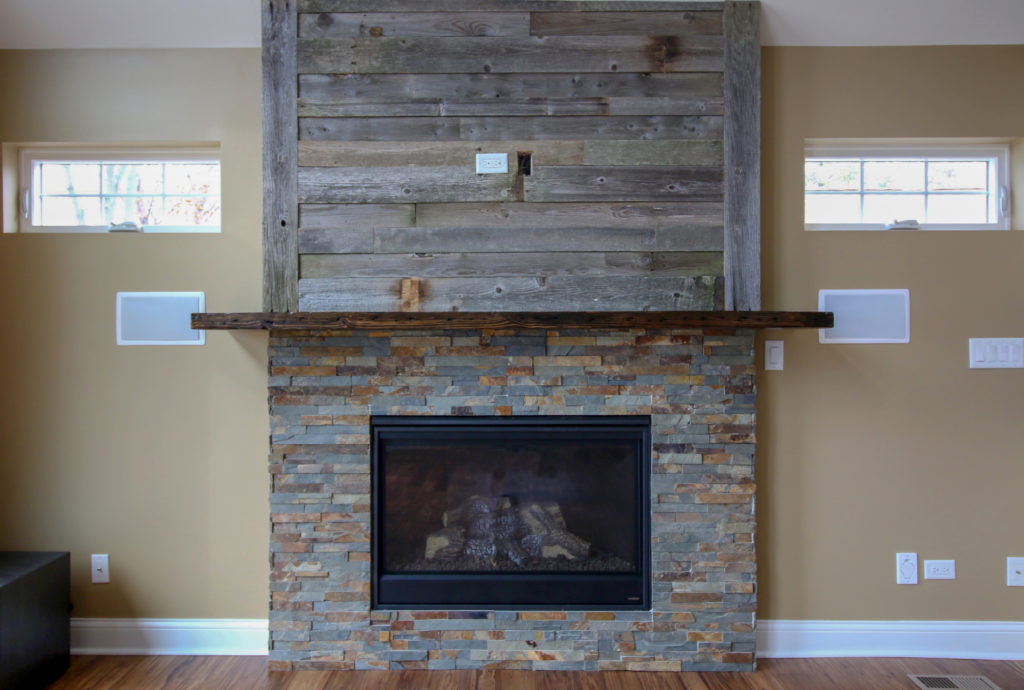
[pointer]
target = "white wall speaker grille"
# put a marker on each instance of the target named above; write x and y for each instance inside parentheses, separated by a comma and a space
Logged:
(866, 316)
(159, 318)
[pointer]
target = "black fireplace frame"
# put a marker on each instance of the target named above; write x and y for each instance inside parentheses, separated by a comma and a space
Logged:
(518, 591)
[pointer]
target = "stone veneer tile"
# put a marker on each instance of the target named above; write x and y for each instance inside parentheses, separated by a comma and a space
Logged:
(697, 387)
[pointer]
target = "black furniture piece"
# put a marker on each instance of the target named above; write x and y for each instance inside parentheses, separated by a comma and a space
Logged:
(35, 623)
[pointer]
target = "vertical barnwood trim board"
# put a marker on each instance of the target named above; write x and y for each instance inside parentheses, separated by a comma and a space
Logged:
(741, 25)
(280, 157)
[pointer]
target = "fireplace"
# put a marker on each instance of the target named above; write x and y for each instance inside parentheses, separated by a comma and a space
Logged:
(525, 513)
(500, 401)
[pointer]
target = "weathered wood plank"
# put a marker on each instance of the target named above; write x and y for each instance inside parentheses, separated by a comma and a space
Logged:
(522, 264)
(280, 255)
(507, 5)
(686, 105)
(529, 320)
(624, 183)
(473, 240)
(742, 156)
(394, 153)
(380, 129)
(560, 293)
(383, 185)
(430, 107)
(345, 25)
(683, 105)
(357, 215)
(536, 106)
(510, 128)
(501, 54)
(693, 152)
(622, 23)
(513, 218)
(438, 107)
(358, 240)
(508, 87)
(638, 127)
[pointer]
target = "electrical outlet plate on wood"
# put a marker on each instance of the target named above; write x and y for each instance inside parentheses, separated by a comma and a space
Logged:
(491, 163)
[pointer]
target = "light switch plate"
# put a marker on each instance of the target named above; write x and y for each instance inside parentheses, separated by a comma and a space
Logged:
(997, 353)
(774, 355)
(1014, 571)
(100, 568)
(491, 163)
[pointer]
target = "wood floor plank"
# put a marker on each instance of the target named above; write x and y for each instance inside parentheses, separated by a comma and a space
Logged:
(250, 673)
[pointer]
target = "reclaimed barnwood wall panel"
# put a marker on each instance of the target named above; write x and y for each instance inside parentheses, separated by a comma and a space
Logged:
(615, 118)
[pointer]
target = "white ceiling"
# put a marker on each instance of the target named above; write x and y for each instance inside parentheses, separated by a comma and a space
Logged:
(236, 23)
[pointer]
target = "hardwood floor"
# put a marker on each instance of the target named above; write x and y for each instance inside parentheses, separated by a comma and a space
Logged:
(250, 673)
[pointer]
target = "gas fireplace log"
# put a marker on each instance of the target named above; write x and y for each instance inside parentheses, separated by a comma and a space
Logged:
(547, 521)
(489, 529)
(445, 543)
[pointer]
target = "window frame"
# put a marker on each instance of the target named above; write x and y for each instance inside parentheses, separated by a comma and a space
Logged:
(28, 155)
(867, 150)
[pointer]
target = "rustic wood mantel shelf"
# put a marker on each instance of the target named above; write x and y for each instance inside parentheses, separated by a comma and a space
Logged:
(532, 320)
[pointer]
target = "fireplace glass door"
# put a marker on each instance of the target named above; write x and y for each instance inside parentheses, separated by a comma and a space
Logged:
(511, 512)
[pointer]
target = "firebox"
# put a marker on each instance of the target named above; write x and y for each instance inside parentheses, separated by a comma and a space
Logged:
(511, 512)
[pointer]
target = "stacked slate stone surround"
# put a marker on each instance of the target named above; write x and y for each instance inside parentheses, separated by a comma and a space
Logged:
(696, 386)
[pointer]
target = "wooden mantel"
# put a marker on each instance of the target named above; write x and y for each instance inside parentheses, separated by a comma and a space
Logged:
(528, 320)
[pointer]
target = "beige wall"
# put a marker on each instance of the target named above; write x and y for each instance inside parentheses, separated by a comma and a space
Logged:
(155, 455)
(158, 455)
(866, 450)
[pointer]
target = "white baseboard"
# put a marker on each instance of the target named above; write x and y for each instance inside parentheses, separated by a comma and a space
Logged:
(931, 639)
(775, 638)
(217, 636)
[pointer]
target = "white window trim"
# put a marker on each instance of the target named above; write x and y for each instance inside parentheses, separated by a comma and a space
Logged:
(29, 153)
(999, 151)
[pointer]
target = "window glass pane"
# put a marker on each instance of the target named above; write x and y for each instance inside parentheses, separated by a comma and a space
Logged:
(193, 178)
(141, 210)
(885, 208)
(952, 184)
(894, 176)
(63, 210)
(193, 211)
(69, 178)
(133, 178)
(832, 208)
(959, 176)
(834, 176)
(958, 208)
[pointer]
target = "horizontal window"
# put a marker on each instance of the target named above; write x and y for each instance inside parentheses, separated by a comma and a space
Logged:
(127, 189)
(932, 187)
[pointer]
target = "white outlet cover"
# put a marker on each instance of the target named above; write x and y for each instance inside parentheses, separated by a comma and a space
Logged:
(940, 570)
(491, 163)
(1015, 571)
